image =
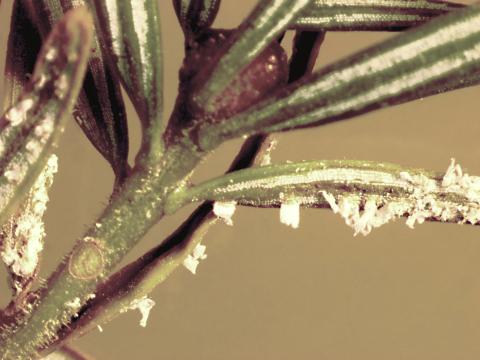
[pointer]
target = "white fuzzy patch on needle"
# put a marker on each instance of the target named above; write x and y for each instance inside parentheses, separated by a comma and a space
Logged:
(75, 303)
(290, 213)
(425, 198)
(225, 210)
(453, 174)
(372, 216)
(144, 305)
(22, 236)
(455, 180)
(16, 115)
(192, 260)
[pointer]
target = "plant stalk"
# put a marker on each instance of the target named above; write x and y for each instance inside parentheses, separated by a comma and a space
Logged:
(134, 209)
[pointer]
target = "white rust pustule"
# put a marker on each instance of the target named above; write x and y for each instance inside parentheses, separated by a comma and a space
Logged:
(290, 213)
(192, 260)
(17, 114)
(225, 210)
(457, 181)
(374, 213)
(424, 198)
(22, 236)
(144, 305)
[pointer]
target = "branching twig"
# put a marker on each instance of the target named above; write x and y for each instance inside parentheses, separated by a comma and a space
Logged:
(140, 277)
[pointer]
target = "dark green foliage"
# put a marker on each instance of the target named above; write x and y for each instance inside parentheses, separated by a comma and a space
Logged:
(195, 15)
(130, 32)
(341, 15)
(437, 57)
(100, 111)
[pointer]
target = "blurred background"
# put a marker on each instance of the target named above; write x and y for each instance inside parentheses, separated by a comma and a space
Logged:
(267, 291)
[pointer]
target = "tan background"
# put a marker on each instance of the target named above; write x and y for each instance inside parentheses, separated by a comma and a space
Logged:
(269, 292)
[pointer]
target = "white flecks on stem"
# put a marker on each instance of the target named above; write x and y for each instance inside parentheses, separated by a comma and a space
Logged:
(34, 149)
(331, 201)
(44, 128)
(192, 260)
(61, 86)
(452, 175)
(225, 210)
(419, 183)
(17, 114)
(424, 199)
(75, 305)
(144, 305)
(373, 215)
(99, 328)
(41, 82)
(456, 181)
(425, 203)
(51, 54)
(89, 239)
(21, 238)
(290, 213)
(14, 173)
(421, 199)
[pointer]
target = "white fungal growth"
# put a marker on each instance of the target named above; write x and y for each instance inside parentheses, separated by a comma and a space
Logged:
(44, 128)
(21, 239)
(17, 114)
(425, 198)
(290, 213)
(61, 86)
(422, 198)
(225, 210)
(331, 201)
(41, 82)
(74, 304)
(192, 260)
(456, 181)
(420, 183)
(34, 148)
(373, 215)
(144, 305)
(453, 174)
(51, 54)
(14, 173)
(89, 239)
